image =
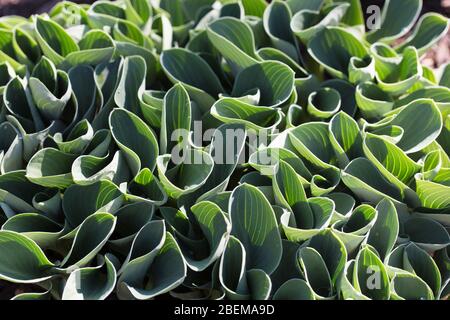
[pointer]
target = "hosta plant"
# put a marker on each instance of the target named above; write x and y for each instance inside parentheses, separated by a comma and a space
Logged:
(201, 149)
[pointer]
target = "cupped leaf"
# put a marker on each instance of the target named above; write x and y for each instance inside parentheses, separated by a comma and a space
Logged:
(55, 42)
(426, 233)
(51, 168)
(176, 118)
(397, 19)
(323, 104)
(393, 163)
(407, 286)
(294, 289)
(307, 23)
(366, 181)
(398, 79)
(185, 173)
(353, 231)
(373, 101)
(154, 265)
(430, 29)
(333, 48)
(346, 138)
(370, 276)
(79, 202)
(37, 227)
(22, 260)
(254, 224)
(201, 82)
(234, 40)
(274, 80)
(135, 139)
(89, 239)
(383, 234)
(276, 21)
(231, 110)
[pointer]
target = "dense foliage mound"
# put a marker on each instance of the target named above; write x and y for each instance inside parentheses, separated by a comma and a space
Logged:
(336, 183)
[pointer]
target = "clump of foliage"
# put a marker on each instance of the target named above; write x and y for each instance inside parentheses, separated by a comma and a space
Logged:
(92, 205)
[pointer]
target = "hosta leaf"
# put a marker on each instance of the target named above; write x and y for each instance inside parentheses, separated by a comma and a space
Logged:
(312, 142)
(42, 230)
(370, 275)
(226, 148)
(353, 231)
(26, 47)
(307, 23)
(17, 191)
(12, 148)
(316, 272)
(410, 287)
(155, 256)
(432, 195)
(411, 258)
(345, 138)
(232, 270)
(274, 80)
(234, 40)
(372, 100)
(294, 289)
(200, 81)
(430, 29)
(127, 49)
(326, 248)
(276, 21)
(17, 102)
(88, 169)
(89, 239)
(34, 296)
(268, 53)
(51, 168)
(176, 117)
(77, 140)
(95, 47)
(188, 172)
(397, 80)
(366, 181)
(383, 234)
(426, 233)
(361, 70)
(55, 43)
(255, 225)
(347, 290)
(216, 230)
(146, 187)
(415, 139)
(135, 139)
(323, 104)
(131, 83)
(79, 202)
(309, 219)
(395, 165)
(91, 283)
(230, 110)
(397, 19)
(439, 94)
(22, 260)
(333, 48)
(254, 8)
(298, 5)
(7, 53)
